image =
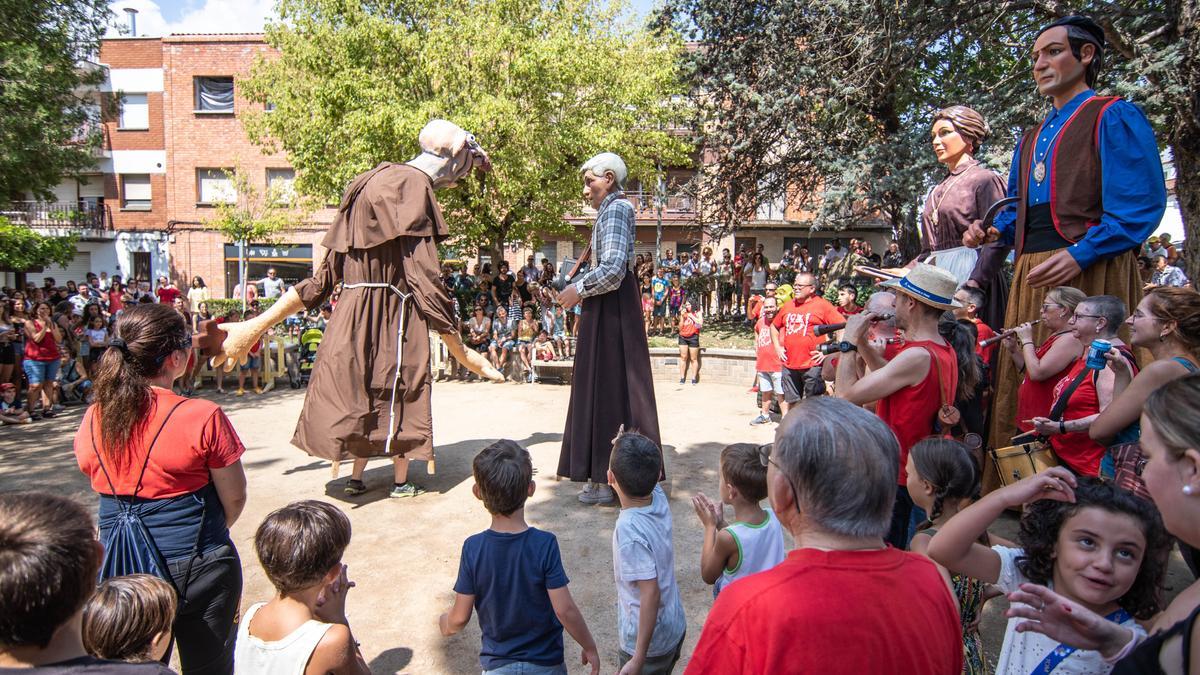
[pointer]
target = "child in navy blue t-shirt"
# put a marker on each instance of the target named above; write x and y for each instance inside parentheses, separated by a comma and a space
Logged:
(513, 575)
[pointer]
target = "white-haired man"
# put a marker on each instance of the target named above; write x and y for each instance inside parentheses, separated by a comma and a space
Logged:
(611, 385)
(370, 394)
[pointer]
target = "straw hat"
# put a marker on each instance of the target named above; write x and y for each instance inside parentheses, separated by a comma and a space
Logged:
(926, 283)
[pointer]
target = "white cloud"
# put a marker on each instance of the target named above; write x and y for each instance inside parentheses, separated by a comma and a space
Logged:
(212, 16)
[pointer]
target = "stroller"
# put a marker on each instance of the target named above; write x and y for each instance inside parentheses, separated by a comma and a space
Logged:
(310, 340)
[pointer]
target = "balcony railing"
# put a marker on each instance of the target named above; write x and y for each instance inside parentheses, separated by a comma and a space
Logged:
(673, 203)
(69, 215)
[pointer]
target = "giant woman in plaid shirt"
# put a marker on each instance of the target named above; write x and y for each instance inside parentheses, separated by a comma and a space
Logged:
(612, 385)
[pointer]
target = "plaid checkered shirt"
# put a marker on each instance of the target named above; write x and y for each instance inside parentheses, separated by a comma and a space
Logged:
(612, 247)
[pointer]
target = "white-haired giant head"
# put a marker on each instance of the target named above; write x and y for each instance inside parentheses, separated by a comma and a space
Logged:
(604, 163)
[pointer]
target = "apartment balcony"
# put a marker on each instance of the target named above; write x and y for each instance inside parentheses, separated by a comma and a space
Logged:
(60, 216)
(674, 205)
(84, 133)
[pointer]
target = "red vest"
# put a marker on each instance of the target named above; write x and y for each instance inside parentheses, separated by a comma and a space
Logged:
(1076, 200)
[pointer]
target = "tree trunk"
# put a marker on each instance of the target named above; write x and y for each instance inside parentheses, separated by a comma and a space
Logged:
(1185, 146)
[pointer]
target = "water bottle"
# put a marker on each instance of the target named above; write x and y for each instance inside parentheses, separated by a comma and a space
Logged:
(1096, 352)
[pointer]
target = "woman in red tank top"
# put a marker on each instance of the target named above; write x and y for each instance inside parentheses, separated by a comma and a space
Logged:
(1045, 365)
(1095, 318)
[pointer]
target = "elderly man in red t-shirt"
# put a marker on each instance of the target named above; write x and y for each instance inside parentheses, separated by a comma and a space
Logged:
(792, 333)
(842, 601)
(915, 383)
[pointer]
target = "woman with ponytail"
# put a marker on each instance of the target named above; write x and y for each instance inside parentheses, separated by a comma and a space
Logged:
(177, 461)
(942, 478)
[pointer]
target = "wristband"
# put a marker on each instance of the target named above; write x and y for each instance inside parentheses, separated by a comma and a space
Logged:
(1126, 650)
(1026, 344)
(1062, 427)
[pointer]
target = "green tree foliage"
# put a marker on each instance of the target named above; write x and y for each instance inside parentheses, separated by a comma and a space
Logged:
(251, 215)
(50, 124)
(830, 102)
(22, 249)
(542, 85)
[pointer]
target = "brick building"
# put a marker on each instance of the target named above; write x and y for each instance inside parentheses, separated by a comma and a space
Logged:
(177, 129)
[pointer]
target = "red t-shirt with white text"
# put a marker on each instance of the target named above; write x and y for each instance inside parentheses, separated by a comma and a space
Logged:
(766, 361)
(796, 321)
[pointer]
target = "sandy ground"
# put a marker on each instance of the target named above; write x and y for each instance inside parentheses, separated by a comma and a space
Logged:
(404, 553)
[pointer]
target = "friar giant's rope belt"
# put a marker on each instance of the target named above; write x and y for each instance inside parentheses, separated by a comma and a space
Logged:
(387, 448)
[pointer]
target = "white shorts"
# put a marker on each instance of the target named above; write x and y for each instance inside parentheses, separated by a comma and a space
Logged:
(770, 382)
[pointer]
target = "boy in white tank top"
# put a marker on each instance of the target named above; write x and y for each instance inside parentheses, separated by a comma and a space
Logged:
(753, 542)
(303, 630)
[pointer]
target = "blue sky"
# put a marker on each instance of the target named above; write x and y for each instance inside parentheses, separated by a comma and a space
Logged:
(161, 17)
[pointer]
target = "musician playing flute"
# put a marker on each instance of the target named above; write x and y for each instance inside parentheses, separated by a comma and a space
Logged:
(1090, 188)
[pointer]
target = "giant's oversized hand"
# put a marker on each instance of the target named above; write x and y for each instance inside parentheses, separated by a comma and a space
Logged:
(240, 336)
(473, 360)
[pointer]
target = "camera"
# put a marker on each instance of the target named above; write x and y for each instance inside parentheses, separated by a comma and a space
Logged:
(836, 347)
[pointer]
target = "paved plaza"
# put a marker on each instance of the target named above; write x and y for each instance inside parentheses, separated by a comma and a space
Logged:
(404, 553)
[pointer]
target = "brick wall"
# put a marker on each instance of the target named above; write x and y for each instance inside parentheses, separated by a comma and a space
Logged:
(142, 52)
(726, 366)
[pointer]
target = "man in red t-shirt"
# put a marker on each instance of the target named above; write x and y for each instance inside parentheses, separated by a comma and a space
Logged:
(767, 364)
(971, 300)
(912, 386)
(842, 602)
(796, 344)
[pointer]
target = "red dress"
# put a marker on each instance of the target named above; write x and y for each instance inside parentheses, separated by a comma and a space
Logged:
(1034, 399)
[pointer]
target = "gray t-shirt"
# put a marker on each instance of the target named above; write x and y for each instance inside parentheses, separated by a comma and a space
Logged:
(272, 288)
(642, 550)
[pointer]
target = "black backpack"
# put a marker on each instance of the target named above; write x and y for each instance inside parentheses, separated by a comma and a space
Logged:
(128, 547)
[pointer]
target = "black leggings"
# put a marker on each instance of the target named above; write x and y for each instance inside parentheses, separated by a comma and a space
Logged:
(205, 627)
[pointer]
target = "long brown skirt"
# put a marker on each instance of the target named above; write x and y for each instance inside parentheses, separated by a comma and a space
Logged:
(1116, 276)
(612, 383)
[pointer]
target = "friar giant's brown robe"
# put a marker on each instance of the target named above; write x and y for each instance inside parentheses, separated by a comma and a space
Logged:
(386, 231)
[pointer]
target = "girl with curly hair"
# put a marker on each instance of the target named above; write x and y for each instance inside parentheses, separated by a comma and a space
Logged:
(1092, 542)
(943, 476)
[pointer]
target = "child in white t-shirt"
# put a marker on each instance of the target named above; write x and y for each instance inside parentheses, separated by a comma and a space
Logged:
(753, 542)
(304, 628)
(643, 559)
(1089, 540)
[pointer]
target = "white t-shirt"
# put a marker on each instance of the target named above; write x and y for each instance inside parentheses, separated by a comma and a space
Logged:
(1022, 653)
(642, 550)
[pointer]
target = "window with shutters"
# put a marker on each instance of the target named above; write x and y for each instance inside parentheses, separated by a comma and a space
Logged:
(135, 113)
(135, 192)
(214, 186)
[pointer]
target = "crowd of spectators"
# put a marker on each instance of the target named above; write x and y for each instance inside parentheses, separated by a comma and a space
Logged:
(53, 335)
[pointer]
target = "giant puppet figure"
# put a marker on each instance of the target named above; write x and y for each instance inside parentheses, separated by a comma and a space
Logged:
(369, 392)
(1090, 188)
(611, 387)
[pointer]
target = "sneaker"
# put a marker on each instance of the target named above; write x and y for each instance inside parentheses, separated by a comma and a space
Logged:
(240, 392)
(599, 494)
(695, 380)
(354, 487)
(761, 419)
(408, 489)
(258, 390)
(57, 407)
(48, 413)
(682, 380)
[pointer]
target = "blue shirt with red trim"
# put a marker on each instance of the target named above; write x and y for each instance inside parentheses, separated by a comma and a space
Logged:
(1132, 184)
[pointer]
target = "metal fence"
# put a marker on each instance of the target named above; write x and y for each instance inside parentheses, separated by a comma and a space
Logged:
(81, 215)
